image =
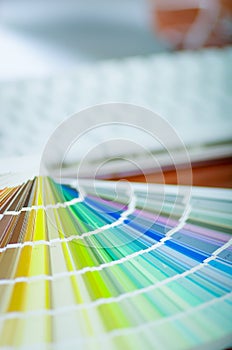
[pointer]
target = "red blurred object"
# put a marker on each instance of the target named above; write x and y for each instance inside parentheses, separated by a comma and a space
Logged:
(212, 173)
(192, 24)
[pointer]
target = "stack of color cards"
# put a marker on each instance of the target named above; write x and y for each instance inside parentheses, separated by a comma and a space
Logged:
(111, 267)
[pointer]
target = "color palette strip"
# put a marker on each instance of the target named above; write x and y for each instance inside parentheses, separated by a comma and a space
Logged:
(131, 269)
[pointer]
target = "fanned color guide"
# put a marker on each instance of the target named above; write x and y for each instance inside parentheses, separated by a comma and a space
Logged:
(106, 271)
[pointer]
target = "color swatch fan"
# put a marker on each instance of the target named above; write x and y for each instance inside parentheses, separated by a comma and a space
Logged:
(114, 265)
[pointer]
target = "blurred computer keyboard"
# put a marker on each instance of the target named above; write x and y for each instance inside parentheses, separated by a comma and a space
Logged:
(191, 90)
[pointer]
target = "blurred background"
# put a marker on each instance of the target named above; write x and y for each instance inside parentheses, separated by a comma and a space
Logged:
(46, 36)
(42, 37)
(173, 56)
